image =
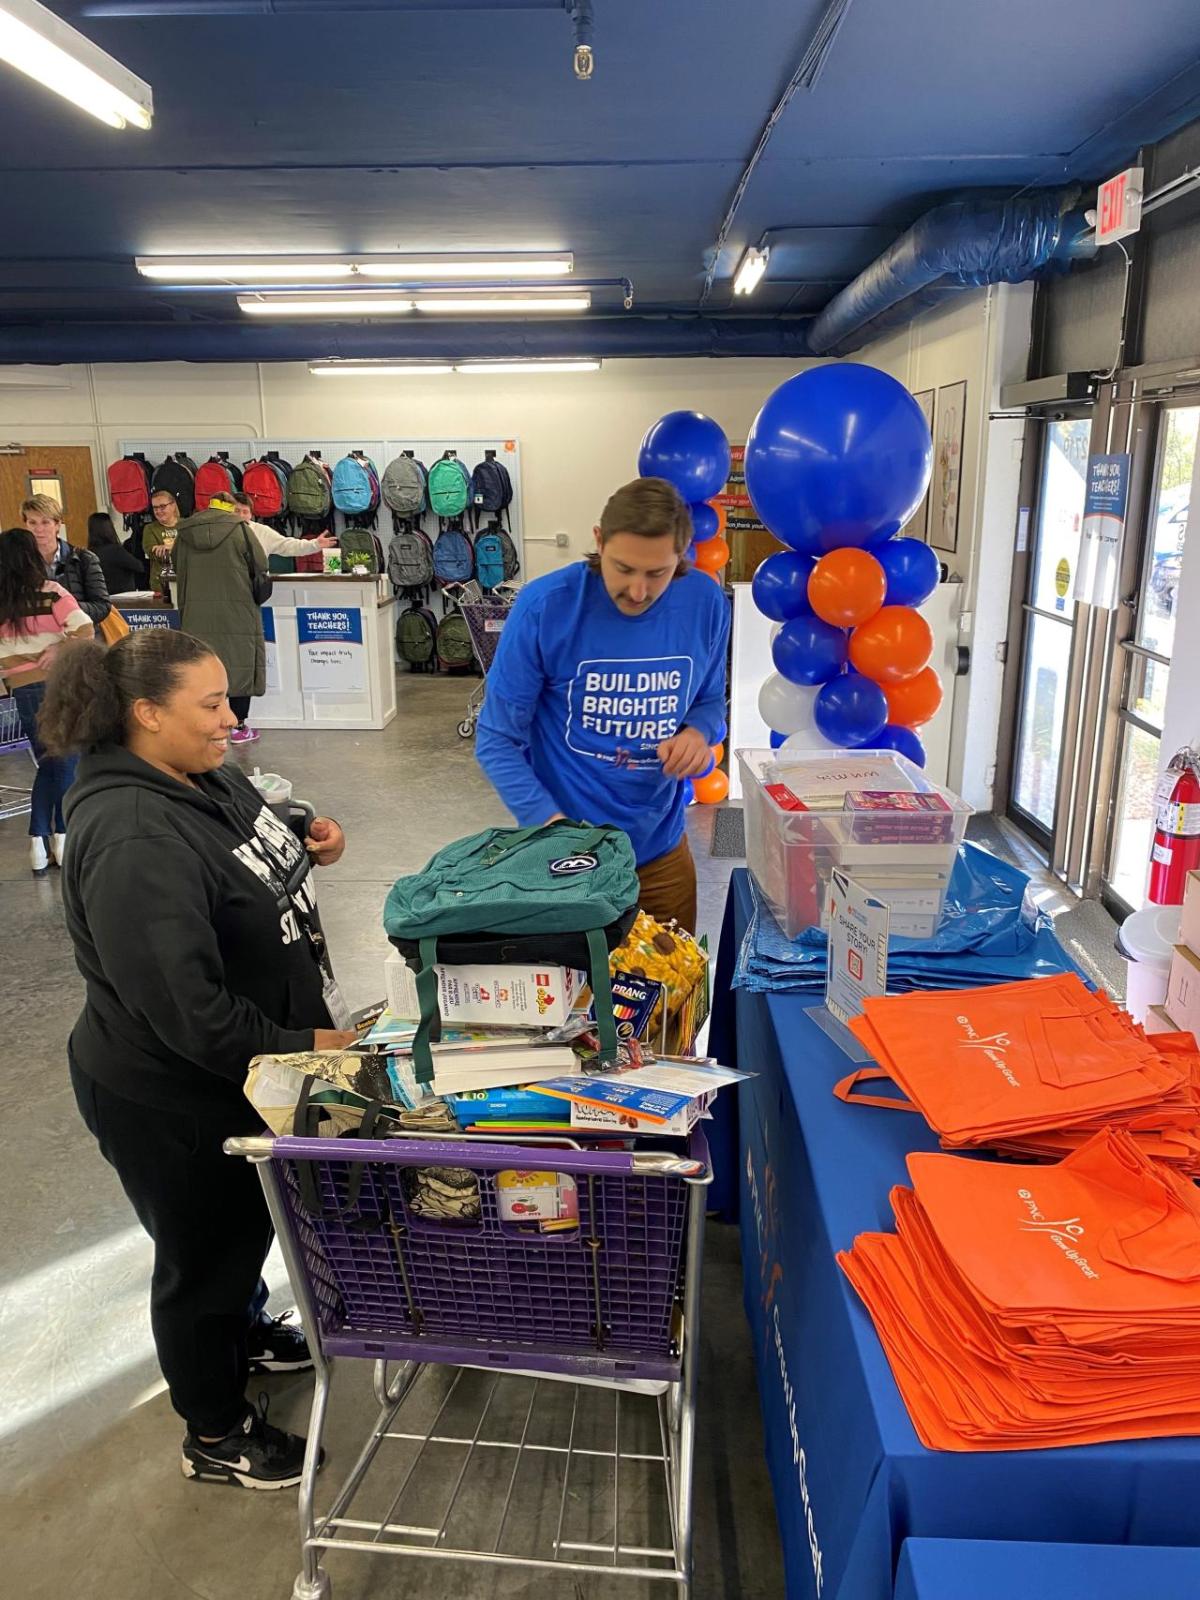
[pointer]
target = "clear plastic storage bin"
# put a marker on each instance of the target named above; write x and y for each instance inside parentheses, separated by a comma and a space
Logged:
(798, 830)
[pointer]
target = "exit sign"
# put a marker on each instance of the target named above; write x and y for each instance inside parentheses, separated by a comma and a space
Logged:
(1119, 206)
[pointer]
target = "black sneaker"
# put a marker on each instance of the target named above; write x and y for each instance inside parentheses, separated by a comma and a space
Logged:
(277, 1344)
(256, 1455)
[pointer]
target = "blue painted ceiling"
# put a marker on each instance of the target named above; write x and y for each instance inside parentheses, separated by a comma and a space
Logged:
(450, 127)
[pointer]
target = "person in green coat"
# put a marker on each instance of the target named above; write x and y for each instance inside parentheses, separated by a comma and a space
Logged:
(216, 559)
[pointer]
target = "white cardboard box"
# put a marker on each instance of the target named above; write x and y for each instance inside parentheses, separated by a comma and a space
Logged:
(1183, 990)
(1189, 917)
(507, 996)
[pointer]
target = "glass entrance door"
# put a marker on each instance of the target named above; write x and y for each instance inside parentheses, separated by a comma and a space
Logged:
(1049, 619)
(1148, 661)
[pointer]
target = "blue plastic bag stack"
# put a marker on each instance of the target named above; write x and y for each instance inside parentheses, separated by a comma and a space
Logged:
(989, 933)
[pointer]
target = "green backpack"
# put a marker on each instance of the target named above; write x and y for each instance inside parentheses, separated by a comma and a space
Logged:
(565, 894)
(308, 494)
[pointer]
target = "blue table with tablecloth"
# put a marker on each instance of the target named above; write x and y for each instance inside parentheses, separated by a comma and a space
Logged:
(951, 1569)
(851, 1479)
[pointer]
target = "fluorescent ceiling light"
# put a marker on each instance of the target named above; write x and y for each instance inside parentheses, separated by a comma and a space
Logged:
(332, 269)
(515, 304)
(240, 269)
(350, 304)
(59, 57)
(422, 268)
(750, 270)
(379, 369)
(530, 366)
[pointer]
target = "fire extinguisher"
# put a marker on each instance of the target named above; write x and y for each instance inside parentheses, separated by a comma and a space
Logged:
(1176, 848)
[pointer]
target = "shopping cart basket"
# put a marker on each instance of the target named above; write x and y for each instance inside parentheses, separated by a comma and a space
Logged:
(485, 616)
(14, 798)
(468, 1307)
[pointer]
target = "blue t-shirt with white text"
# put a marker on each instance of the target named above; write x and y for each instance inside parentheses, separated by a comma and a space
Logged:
(580, 696)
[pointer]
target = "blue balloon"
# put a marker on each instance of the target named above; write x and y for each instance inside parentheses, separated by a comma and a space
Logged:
(838, 455)
(705, 521)
(903, 740)
(691, 552)
(807, 650)
(780, 586)
(777, 739)
(850, 710)
(913, 571)
(689, 450)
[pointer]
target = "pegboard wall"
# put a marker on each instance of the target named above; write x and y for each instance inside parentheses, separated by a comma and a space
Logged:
(381, 451)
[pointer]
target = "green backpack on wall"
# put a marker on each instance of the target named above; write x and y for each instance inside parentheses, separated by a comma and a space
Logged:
(565, 894)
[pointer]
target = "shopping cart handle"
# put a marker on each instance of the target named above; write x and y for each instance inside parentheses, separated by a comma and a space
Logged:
(694, 1166)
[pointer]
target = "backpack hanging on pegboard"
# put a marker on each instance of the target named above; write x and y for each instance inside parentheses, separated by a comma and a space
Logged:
(449, 487)
(416, 639)
(355, 490)
(454, 650)
(410, 562)
(496, 559)
(177, 476)
(453, 557)
(491, 490)
(403, 488)
(266, 484)
(216, 476)
(361, 552)
(310, 498)
(129, 482)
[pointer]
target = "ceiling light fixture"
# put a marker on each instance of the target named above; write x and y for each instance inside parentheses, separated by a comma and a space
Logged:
(513, 305)
(350, 304)
(751, 269)
(245, 270)
(59, 57)
(535, 365)
(379, 369)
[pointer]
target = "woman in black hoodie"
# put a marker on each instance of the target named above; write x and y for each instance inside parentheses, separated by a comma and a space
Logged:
(196, 931)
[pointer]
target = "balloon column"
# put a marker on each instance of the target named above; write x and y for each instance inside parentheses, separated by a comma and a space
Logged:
(691, 451)
(837, 461)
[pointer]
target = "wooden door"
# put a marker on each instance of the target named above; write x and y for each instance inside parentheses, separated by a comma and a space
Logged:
(61, 470)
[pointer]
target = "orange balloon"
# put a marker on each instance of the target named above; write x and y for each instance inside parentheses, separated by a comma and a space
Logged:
(712, 788)
(717, 577)
(846, 587)
(892, 645)
(718, 753)
(915, 700)
(712, 555)
(722, 517)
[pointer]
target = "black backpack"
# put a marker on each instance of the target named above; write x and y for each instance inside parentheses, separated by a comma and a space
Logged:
(177, 476)
(491, 490)
(416, 639)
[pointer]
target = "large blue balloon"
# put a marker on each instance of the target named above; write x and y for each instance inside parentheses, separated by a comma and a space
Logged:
(689, 450)
(838, 455)
(807, 650)
(912, 568)
(850, 710)
(780, 586)
(903, 740)
(705, 521)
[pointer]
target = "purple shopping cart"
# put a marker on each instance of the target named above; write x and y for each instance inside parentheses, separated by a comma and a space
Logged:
(485, 616)
(554, 1365)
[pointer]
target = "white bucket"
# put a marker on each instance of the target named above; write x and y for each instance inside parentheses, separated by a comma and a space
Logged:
(1146, 939)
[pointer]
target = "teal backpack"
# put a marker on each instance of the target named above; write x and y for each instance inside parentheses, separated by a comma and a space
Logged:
(449, 487)
(565, 894)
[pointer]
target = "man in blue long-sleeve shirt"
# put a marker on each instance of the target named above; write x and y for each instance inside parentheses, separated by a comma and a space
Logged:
(608, 689)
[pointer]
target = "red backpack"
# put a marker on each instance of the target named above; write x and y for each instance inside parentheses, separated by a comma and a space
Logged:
(213, 478)
(265, 487)
(129, 489)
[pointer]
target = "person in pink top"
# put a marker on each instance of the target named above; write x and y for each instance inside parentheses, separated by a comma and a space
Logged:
(36, 616)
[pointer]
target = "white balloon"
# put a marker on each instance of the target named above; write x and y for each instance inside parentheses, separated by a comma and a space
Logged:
(807, 742)
(786, 707)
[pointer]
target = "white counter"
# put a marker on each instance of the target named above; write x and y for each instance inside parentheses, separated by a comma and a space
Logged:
(330, 653)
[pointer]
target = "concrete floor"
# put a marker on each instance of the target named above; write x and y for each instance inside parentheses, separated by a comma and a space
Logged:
(93, 1501)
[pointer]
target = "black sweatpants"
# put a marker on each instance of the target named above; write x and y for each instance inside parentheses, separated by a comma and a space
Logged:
(239, 704)
(211, 1229)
